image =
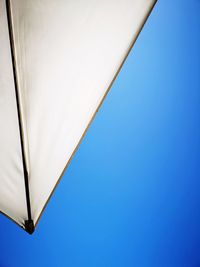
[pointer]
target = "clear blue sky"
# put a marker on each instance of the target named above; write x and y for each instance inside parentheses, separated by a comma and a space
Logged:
(131, 195)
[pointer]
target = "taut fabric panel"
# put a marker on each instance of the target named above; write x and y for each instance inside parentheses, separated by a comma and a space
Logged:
(12, 190)
(68, 52)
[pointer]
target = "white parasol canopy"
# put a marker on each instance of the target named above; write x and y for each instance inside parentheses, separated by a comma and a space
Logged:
(58, 60)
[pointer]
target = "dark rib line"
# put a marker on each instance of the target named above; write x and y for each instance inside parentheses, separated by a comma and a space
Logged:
(11, 37)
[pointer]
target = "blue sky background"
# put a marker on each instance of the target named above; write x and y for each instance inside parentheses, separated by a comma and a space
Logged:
(131, 195)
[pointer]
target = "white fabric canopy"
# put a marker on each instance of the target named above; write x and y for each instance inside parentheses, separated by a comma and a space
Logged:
(67, 53)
